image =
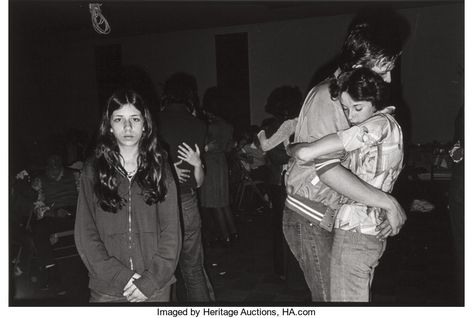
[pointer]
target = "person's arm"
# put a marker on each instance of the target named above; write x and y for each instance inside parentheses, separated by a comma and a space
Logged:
(346, 183)
(164, 260)
(186, 153)
(323, 146)
(199, 175)
(283, 133)
(369, 133)
(88, 242)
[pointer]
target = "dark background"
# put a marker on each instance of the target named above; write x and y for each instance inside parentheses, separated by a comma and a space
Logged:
(60, 69)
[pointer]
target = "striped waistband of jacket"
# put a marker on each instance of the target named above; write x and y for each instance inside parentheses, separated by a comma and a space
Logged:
(312, 211)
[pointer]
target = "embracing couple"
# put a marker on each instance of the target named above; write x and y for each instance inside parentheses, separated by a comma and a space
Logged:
(346, 156)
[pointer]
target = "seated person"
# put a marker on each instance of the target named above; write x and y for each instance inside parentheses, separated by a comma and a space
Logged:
(251, 156)
(253, 159)
(54, 210)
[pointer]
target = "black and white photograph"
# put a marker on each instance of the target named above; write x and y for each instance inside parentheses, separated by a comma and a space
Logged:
(235, 153)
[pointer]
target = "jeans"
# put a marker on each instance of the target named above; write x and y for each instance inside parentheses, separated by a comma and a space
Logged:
(162, 295)
(191, 261)
(312, 246)
(277, 196)
(354, 258)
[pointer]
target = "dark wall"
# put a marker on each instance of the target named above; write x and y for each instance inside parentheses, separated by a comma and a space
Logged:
(53, 81)
(432, 71)
(52, 89)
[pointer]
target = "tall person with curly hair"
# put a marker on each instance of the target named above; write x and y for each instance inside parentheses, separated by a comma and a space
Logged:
(127, 228)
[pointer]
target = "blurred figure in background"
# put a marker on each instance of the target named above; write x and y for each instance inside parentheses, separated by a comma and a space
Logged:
(283, 103)
(178, 126)
(214, 193)
(253, 164)
(54, 211)
(456, 196)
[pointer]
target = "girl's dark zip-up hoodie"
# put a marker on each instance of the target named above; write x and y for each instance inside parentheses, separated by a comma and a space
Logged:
(139, 238)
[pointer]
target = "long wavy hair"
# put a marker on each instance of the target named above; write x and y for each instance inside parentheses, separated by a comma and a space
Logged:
(151, 156)
(362, 84)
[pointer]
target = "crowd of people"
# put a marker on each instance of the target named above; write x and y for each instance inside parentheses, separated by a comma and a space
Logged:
(155, 192)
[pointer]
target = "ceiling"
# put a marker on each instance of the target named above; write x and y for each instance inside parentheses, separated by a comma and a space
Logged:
(40, 19)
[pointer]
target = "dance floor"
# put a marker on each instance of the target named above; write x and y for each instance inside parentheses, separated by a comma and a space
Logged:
(418, 267)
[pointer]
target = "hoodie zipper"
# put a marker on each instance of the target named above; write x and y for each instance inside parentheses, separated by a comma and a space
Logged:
(130, 240)
(129, 223)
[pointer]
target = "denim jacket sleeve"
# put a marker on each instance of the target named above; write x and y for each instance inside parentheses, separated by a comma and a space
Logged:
(88, 241)
(164, 261)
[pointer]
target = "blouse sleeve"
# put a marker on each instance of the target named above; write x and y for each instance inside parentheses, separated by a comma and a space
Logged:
(164, 262)
(371, 132)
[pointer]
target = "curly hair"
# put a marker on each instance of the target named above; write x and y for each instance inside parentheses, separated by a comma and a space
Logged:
(362, 84)
(284, 101)
(151, 156)
(376, 37)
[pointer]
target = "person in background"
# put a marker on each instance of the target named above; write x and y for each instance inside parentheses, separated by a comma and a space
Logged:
(178, 126)
(127, 228)
(252, 156)
(214, 193)
(284, 102)
(54, 211)
(456, 196)
(254, 163)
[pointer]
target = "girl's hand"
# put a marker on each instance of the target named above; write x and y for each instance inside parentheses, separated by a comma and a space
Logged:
(182, 174)
(134, 295)
(130, 282)
(186, 153)
(131, 292)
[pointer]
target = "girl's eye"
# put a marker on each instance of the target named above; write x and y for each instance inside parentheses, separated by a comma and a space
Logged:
(359, 108)
(117, 119)
(136, 119)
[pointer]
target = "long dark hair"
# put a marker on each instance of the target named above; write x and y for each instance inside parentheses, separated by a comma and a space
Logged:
(362, 84)
(151, 156)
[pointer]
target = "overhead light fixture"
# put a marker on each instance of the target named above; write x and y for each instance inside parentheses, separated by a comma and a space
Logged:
(99, 22)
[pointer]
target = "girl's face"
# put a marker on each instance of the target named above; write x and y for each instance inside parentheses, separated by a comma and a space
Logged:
(127, 125)
(356, 111)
